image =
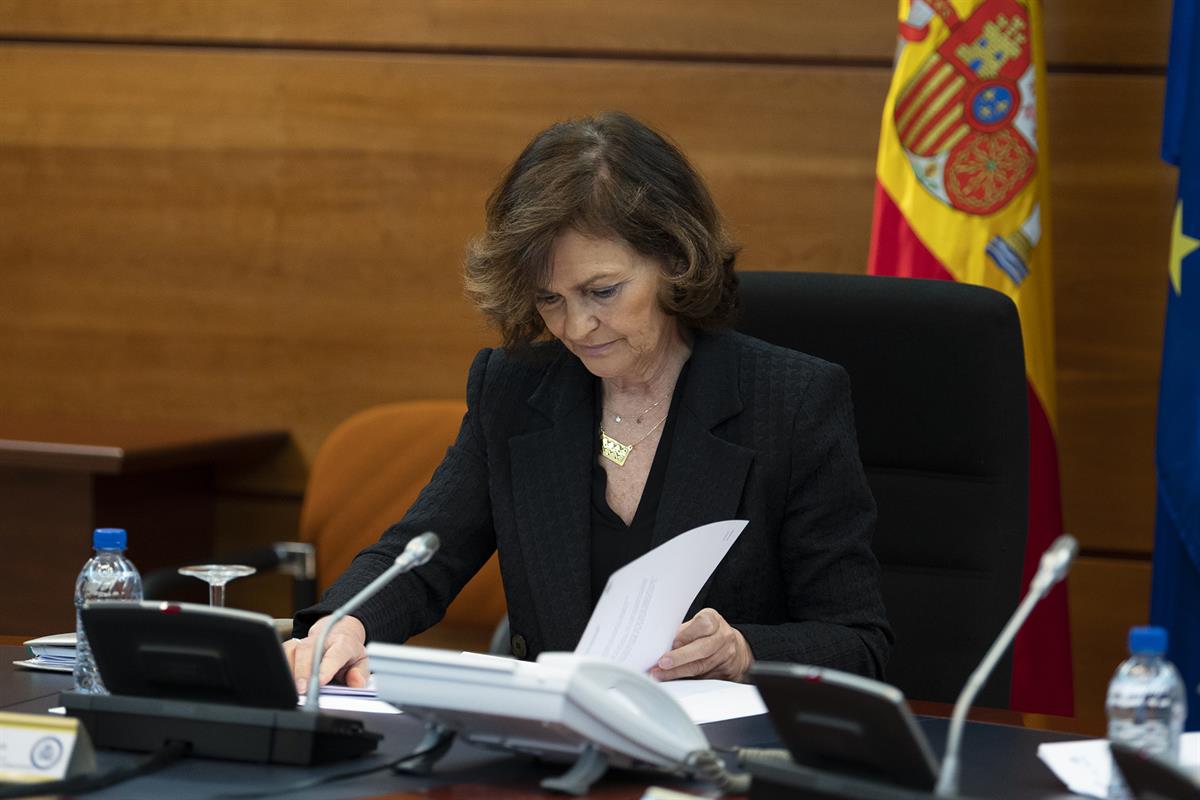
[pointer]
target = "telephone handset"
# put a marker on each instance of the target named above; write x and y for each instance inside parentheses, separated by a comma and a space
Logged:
(563, 707)
(627, 710)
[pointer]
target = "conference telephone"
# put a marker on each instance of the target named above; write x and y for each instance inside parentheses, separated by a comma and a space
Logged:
(835, 723)
(214, 678)
(561, 707)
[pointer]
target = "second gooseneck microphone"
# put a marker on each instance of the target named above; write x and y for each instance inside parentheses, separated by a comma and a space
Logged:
(418, 550)
(1053, 567)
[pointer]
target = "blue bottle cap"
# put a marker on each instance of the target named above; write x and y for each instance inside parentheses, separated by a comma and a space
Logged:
(108, 539)
(1148, 640)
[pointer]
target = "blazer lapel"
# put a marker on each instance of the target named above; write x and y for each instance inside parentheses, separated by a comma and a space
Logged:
(706, 474)
(551, 477)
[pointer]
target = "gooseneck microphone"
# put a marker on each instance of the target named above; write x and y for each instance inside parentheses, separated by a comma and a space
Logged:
(419, 550)
(1055, 563)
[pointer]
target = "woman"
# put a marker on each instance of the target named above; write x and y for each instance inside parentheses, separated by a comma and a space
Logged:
(641, 417)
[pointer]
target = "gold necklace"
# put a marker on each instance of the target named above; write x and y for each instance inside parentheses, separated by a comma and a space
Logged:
(617, 416)
(617, 452)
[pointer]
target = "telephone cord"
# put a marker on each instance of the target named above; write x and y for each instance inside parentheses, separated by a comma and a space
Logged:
(708, 766)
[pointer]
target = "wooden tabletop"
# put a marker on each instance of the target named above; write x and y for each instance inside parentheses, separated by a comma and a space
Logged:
(113, 446)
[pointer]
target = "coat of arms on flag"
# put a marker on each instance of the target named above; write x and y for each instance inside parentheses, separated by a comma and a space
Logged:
(967, 118)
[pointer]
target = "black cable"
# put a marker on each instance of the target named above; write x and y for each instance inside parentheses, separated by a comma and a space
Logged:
(81, 784)
(320, 780)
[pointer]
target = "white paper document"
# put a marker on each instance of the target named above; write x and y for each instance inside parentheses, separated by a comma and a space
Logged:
(644, 601)
(362, 705)
(329, 702)
(712, 701)
(45, 665)
(1085, 767)
(334, 689)
(358, 703)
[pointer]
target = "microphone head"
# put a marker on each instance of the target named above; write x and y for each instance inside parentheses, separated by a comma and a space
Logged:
(1056, 561)
(420, 549)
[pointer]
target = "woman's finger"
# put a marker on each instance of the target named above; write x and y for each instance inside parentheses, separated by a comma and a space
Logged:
(706, 646)
(705, 623)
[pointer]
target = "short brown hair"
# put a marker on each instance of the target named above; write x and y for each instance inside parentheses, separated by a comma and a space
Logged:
(602, 176)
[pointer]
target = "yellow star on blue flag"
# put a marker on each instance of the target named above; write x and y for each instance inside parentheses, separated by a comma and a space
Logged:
(1182, 246)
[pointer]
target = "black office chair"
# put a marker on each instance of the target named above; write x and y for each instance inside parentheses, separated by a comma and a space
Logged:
(938, 379)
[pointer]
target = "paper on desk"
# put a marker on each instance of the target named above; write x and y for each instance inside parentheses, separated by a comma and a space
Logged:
(341, 702)
(712, 701)
(58, 643)
(328, 702)
(1085, 767)
(343, 698)
(644, 601)
(334, 689)
(360, 705)
(46, 665)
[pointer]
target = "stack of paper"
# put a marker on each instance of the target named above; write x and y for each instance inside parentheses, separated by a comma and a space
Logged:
(54, 653)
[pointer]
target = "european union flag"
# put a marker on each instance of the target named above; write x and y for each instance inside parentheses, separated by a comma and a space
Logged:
(1175, 597)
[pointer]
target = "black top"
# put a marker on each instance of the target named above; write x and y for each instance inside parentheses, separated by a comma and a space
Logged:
(613, 543)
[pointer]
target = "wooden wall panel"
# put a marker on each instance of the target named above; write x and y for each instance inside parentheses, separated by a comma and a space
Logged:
(1109, 34)
(1112, 201)
(1078, 32)
(275, 238)
(847, 28)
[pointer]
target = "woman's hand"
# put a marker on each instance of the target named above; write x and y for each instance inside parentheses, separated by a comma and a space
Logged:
(345, 657)
(706, 646)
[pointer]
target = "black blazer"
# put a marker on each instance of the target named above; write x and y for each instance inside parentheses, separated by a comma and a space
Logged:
(763, 433)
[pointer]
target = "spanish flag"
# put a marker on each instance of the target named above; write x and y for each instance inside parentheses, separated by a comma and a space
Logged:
(961, 194)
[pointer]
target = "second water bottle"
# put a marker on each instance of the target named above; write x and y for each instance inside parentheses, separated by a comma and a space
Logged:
(107, 575)
(1146, 702)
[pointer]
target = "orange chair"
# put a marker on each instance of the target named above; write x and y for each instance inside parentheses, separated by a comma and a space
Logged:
(364, 477)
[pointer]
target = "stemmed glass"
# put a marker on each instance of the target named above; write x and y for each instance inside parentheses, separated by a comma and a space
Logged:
(216, 576)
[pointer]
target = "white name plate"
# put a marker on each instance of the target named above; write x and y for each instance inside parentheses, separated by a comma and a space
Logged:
(36, 747)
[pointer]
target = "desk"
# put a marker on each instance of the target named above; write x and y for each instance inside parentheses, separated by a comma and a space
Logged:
(999, 761)
(59, 479)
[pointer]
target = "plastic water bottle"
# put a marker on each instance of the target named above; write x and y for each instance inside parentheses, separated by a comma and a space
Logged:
(107, 575)
(1146, 702)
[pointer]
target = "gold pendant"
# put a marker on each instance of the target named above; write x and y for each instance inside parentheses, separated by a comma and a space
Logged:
(613, 450)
